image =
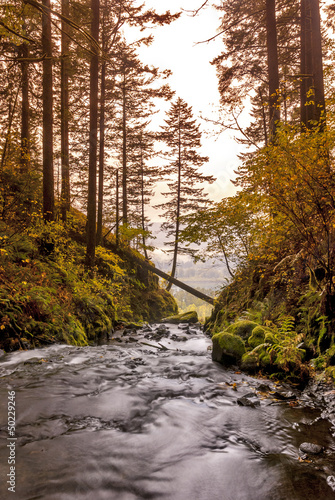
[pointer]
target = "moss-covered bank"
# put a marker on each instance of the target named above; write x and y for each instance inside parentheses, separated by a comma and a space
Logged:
(278, 310)
(47, 295)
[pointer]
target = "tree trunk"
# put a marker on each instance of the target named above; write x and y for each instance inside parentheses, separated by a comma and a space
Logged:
(143, 202)
(48, 169)
(25, 132)
(273, 72)
(101, 152)
(124, 155)
(117, 212)
(176, 242)
(65, 191)
(319, 92)
(306, 66)
(93, 140)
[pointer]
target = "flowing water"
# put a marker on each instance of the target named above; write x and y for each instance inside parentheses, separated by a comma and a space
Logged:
(152, 417)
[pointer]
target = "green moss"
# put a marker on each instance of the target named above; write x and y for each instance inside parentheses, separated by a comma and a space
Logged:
(160, 304)
(188, 317)
(319, 363)
(269, 338)
(47, 295)
(250, 361)
(257, 337)
(330, 373)
(231, 345)
(242, 328)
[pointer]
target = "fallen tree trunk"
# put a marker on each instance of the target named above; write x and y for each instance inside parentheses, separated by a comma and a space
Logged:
(176, 282)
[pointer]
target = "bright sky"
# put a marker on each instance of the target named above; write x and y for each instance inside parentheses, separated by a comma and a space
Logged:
(194, 80)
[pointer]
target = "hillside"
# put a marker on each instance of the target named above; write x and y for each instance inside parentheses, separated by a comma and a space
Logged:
(47, 294)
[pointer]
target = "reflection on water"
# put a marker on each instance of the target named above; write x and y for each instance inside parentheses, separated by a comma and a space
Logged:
(155, 419)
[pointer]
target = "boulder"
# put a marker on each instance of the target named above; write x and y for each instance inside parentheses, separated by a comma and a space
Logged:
(242, 328)
(257, 337)
(188, 317)
(250, 361)
(227, 348)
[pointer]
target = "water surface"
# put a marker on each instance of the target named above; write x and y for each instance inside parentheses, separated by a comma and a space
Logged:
(130, 420)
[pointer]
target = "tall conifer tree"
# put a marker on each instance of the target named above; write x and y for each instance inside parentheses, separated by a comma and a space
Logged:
(182, 137)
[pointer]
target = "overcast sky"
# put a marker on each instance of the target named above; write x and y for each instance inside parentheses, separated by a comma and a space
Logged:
(194, 79)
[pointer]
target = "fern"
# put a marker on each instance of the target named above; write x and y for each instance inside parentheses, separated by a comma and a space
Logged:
(288, 355)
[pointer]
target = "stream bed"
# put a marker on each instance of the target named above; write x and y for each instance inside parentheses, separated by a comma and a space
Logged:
(149, 415)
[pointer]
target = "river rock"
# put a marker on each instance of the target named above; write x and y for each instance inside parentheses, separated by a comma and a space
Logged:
(249, 399)
(2, 353)
(162, 330)
(284, 395)
(227, 348)
(310, 448)
(33, 361)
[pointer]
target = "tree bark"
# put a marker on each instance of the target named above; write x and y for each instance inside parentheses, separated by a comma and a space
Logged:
(124, 155)
(319, 92)
(306, 66)
(93, 139)
(176, 242)
(273, 72)
(48, 168)
(117, 214)
(142, 200)
(65, 191)
(25, 132)
(101, 151)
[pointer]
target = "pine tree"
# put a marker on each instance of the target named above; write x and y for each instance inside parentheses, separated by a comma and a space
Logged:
(260, 60)
(92, 174)
(48, 168)
(65, 191)
(134, 96)
(182, 136)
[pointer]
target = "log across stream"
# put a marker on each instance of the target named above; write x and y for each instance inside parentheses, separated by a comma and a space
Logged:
(148, 415)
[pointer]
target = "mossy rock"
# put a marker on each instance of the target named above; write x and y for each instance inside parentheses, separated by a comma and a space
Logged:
(250, 361)
(242, 328)
(227, 348)
(257, 337)
(265, 358)
(188, 317)
(269, 338)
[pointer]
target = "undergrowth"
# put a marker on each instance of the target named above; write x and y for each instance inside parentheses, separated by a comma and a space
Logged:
(48, 295)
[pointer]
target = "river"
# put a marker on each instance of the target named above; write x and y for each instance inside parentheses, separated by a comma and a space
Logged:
(150, 416)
